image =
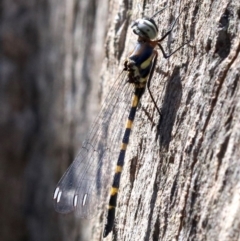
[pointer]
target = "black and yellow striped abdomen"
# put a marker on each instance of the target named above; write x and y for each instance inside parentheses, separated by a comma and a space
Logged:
(78, 189)
(118, 171)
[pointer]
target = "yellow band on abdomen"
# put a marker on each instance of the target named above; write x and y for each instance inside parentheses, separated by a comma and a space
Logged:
(114, 191)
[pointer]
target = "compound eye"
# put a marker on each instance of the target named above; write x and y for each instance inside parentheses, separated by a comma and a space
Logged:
(145, 28)
(150, 28)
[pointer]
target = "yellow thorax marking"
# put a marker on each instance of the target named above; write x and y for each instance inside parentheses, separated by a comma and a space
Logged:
(143, 81)
(146, 63)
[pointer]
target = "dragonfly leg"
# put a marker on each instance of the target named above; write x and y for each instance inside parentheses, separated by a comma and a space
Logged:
(166, 34)
(150, 78)
(171, 28)
(166, 56)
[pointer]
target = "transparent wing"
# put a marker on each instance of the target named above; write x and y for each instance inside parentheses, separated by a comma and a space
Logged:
(83, 186)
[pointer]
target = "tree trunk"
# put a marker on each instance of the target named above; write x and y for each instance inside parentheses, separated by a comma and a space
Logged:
(181, 175)
(51, 52)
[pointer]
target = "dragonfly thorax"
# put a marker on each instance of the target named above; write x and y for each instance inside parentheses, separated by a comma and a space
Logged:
(139, 63)
(134, 74)
(133, 71)
(83, 183)
(145, 28)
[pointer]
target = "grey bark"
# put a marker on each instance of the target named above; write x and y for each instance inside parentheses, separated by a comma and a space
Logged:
(181, 178)
(50, 52)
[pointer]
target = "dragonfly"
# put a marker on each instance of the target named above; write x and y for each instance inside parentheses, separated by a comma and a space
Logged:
(81, 186)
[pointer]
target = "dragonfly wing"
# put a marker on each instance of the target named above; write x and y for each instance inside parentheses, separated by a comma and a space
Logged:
(83, 186)
(78, 188)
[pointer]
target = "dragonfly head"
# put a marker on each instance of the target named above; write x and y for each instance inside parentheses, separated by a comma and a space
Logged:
(145, 27)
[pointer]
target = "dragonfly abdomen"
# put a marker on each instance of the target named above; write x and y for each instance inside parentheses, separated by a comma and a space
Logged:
(79, 187)
(120, 163)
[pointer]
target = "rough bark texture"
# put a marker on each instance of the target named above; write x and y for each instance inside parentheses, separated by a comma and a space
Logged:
(181, 178)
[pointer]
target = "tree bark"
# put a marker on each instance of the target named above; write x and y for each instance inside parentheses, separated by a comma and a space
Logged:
(181, 175)
(51, 52)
